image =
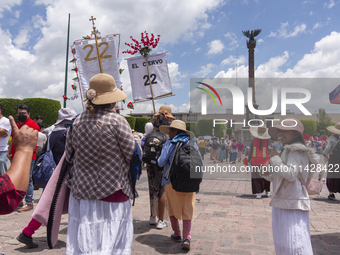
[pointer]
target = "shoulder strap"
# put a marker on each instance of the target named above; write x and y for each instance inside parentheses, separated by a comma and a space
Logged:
(178, 145)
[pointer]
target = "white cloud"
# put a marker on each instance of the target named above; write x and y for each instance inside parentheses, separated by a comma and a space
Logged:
(282, 31)
(205, 70)
(317, 25)
(330, 5)
(232, 60)
(16, 14)
(215, 46)
(22, 38)
(175, 75)
(8, 4)
(232, 38)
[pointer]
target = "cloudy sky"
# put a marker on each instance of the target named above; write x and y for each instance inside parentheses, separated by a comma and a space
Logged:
(299, 39)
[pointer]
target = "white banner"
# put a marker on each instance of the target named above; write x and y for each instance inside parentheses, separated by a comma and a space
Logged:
(160, 79)
(87, 63)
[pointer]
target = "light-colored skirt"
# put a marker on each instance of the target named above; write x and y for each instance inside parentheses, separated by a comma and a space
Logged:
(180, 204)
(291, 232)
(99, 228)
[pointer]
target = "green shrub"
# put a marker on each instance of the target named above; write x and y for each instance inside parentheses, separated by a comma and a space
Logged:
(191, 126)
(140, 124)
(48, 108)
(230, 132)
(131, 120)
(310, 127)
(204, 127)
(219, 130)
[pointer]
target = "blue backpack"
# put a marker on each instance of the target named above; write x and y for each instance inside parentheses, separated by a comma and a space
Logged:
(45, 165)
(135, 169)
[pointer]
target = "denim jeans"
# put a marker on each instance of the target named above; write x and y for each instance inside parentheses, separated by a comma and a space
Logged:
(3, 162)
(29, 194)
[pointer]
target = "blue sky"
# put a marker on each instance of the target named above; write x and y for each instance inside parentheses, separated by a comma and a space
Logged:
(203, 39)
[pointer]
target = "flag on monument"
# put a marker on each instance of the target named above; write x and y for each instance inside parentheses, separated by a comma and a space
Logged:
(159, 75)
(87, 63)
(334, 96)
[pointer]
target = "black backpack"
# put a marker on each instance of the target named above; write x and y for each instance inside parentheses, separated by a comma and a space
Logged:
(215, 145)
(153, 145)
(183, 174)
(222, 146)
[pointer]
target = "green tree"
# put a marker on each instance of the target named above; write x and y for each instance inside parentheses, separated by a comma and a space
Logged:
(310, 127)
(140, 124)
(323, 121)
(131, 120)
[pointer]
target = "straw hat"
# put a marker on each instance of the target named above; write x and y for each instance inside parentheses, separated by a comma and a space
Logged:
(166, 110)
(260, 132)
(334, 129)
(176, 124)
(103, 90)
(289, 124)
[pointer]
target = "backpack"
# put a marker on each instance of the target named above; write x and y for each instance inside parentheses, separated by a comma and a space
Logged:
(234, 145)
(183, 176)
(45, 165)
(135, 169)
(222, 146)
(153, 145)
(215, 145)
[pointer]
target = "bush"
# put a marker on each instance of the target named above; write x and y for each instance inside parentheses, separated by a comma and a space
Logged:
(230, 132)
(48, 108)
(204, 127)
(140, 124)
(310, 127)
(219, 130)
(131, 120)
(191, 126)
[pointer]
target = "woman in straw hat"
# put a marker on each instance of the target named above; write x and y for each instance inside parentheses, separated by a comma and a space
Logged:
(180, 205)
(100, 216)
(155, 172)
(333, 151)
(258, 155)
(290, 202)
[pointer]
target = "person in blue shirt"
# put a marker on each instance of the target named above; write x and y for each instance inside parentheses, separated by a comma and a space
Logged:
(180, 204)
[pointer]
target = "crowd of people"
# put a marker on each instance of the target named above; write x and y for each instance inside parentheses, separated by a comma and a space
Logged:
(98, 146)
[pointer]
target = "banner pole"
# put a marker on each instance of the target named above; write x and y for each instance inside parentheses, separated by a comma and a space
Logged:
(66, 68)
(153, 101)
(95, 36)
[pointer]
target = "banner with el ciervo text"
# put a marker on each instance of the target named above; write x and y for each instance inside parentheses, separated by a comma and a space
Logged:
(87, 63)
(159, 75)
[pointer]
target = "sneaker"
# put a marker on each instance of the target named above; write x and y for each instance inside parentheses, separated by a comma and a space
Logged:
(26, 208)
(186, 244)
(161, 224)
(152, 220)
(267, 193)
(258, 195)
(28, 240)
(331, 196)
(176, 238)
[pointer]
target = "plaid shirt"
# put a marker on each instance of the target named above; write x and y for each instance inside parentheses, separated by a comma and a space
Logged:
(10, 198)
(104, 146)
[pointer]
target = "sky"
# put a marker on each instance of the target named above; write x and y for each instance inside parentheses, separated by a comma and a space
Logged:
(299, 39)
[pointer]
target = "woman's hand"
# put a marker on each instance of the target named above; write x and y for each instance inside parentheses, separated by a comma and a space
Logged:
(273, 153)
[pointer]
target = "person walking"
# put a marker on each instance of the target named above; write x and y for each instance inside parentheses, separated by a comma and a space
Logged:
(222, 150)
(332, 151)
(180, 204)
(233, 151)
(215, 145)
(201, 145)
(99, 212)
(240, 147)
(154, 142)
(57, 140)
(290, 202)
(258, 155)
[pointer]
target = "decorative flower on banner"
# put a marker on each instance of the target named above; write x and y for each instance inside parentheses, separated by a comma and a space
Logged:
(65, 97)
(130, 106)
(87, 37)
(144, 46)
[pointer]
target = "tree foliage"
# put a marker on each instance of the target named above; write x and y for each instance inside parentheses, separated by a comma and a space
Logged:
(131, 120)
(309, 127)
(140, 124)
(323, 121)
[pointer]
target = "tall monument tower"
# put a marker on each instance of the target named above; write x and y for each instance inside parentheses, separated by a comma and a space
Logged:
(251, 44)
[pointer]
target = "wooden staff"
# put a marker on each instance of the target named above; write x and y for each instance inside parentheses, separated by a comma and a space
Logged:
(153, 101)
(95, 36)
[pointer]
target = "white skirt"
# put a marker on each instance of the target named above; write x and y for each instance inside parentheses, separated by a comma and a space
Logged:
(291, 232)
(99, 228)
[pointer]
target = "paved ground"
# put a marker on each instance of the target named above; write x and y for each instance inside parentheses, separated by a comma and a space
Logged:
(228, 220)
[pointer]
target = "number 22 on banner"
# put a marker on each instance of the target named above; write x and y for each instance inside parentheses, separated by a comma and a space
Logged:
(153, 79)
(87, 58)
